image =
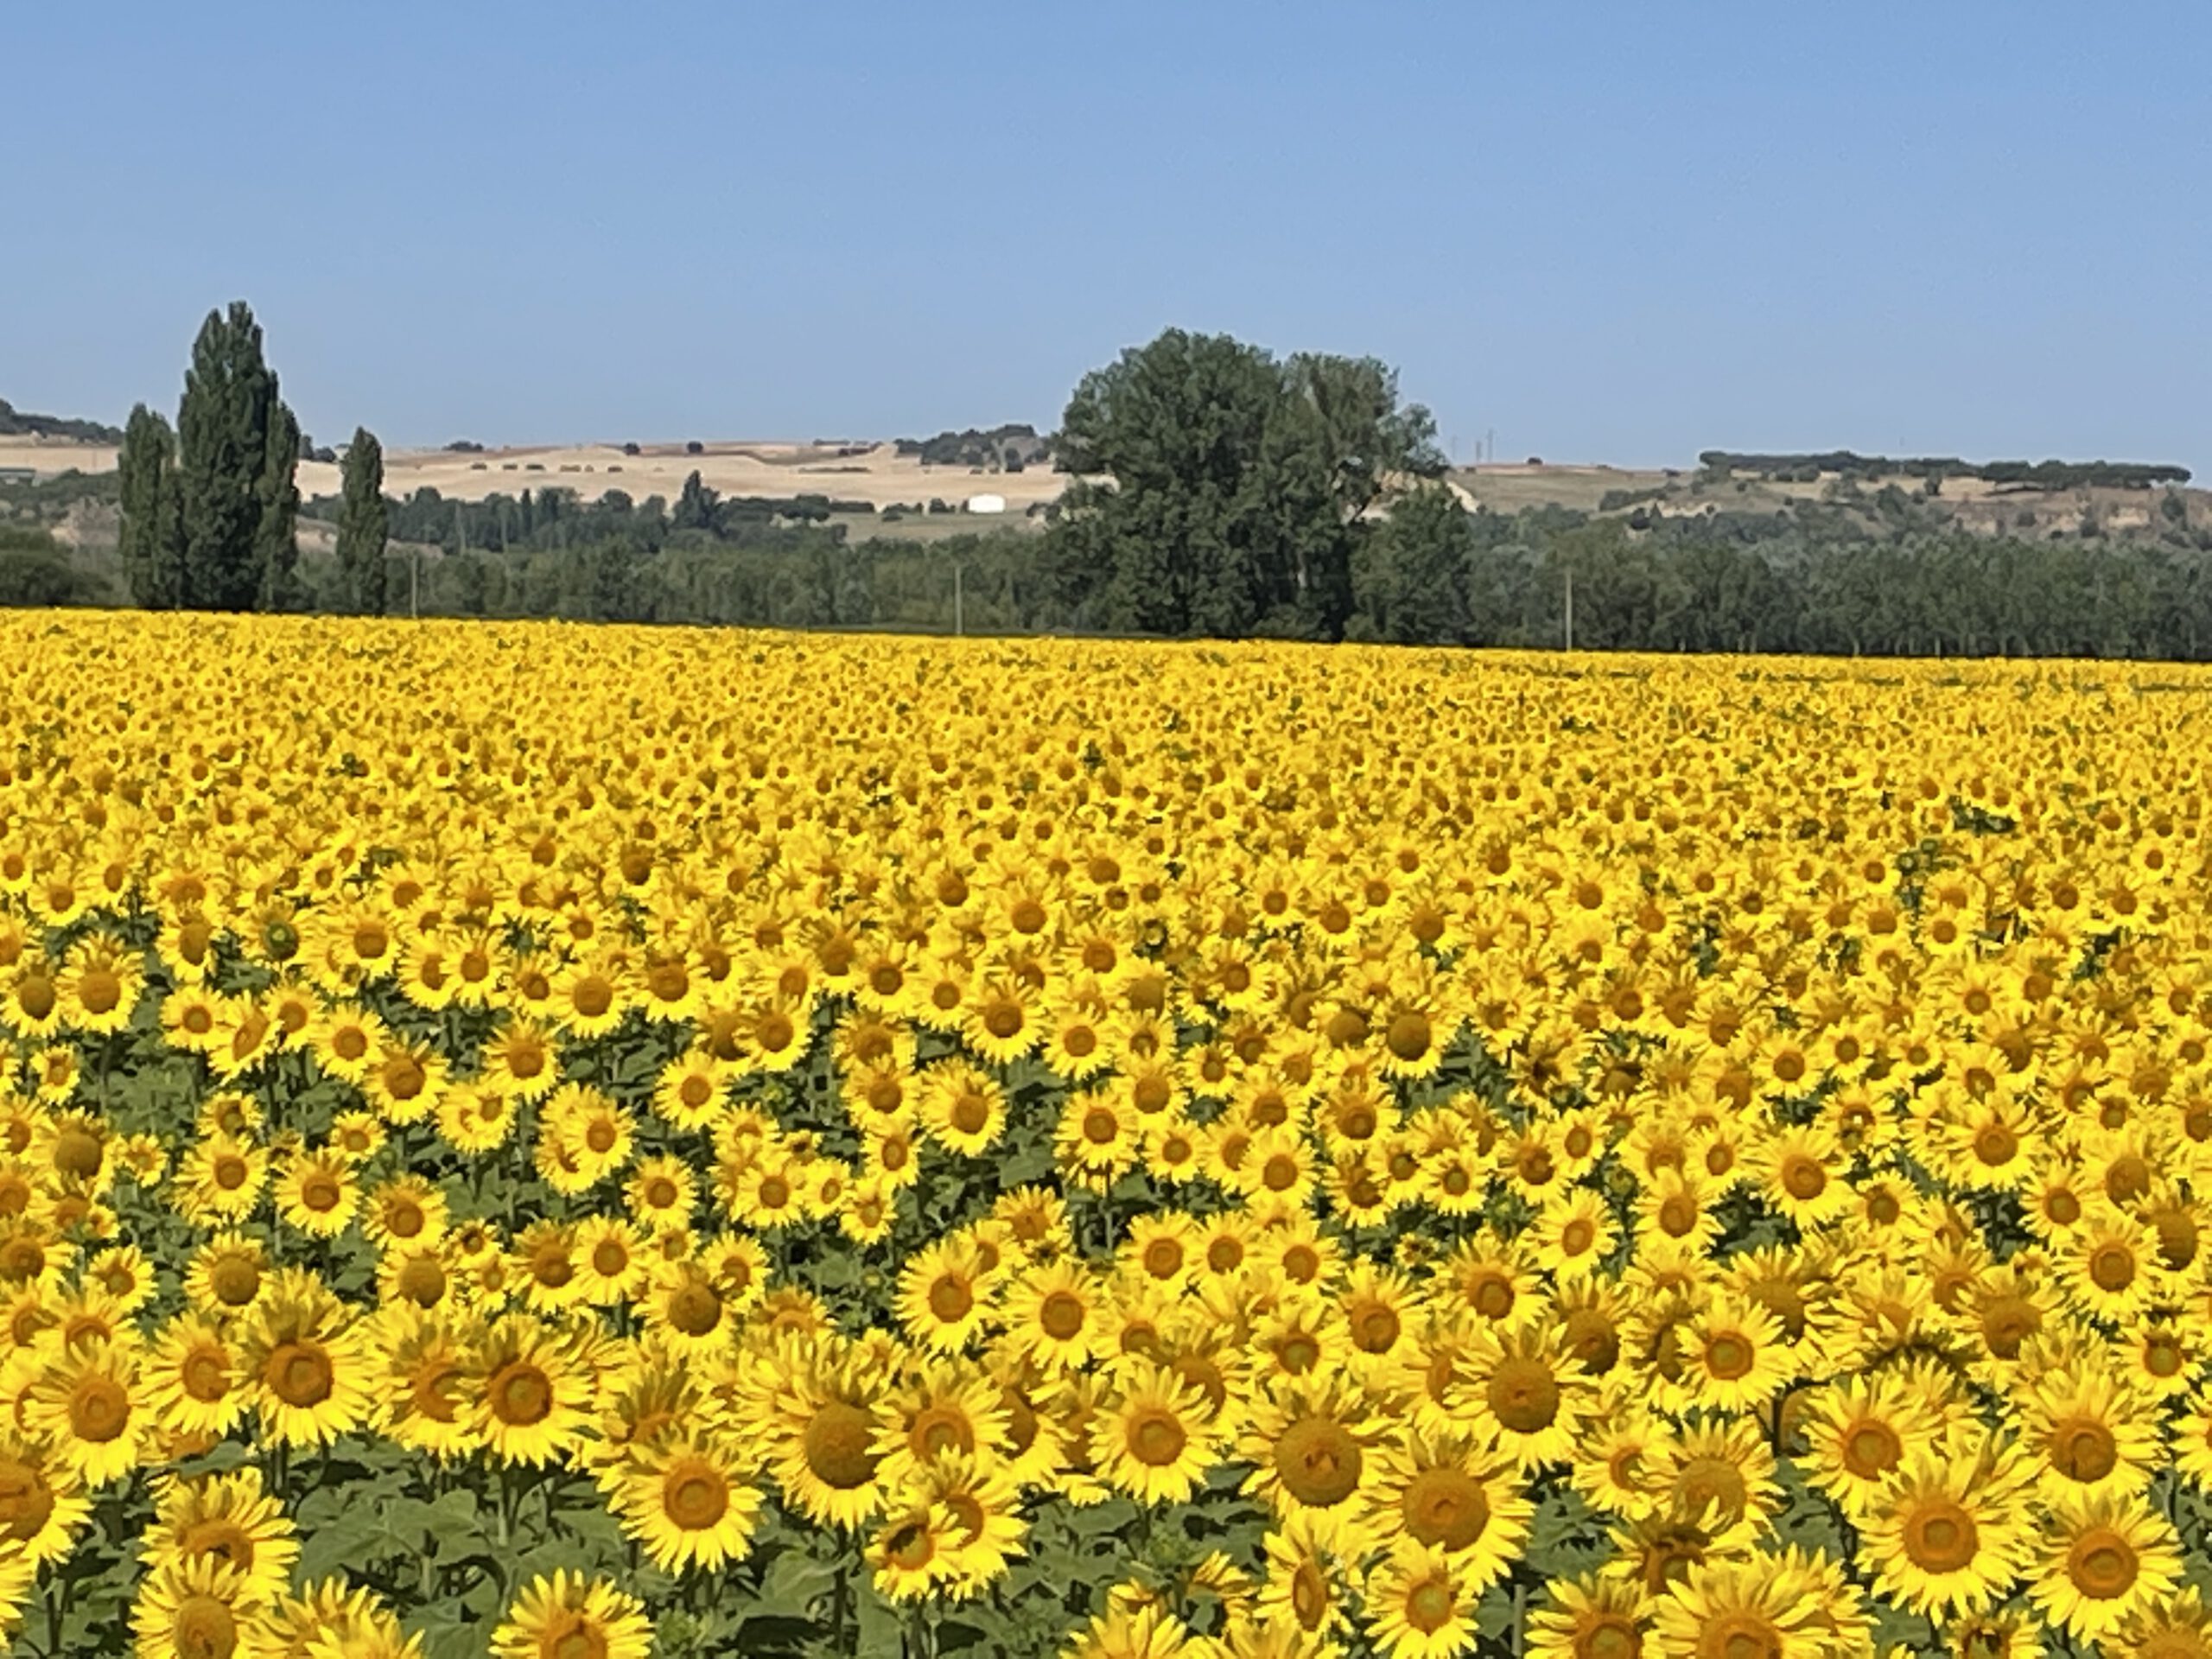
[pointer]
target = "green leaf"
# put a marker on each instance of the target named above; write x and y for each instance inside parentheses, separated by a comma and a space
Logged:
(880, 1635)
(794, 1582)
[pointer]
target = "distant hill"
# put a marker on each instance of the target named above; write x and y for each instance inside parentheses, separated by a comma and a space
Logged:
(14, 423)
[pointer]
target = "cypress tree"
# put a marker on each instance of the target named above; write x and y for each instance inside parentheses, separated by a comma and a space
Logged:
(149, 542)
(237, 446)
(275, 544)
(363, 525)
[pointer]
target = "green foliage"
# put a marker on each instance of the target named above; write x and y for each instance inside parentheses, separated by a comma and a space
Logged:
(150, 541)
(2036, 474)
(238, 445)
(1238, 486)
(34, 571)
(1409, 576)
(1012, 446)
(362, 525)
(20, 423)
(695, 507)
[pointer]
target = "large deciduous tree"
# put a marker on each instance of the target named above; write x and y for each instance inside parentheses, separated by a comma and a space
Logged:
(1223, 491)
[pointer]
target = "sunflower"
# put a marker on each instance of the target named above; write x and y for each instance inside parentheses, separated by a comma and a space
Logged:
(683, 1496)
(1305, 1590)
(543, 1256)
(686, 1308)
(305, 1355)
(404, 1082)
(220, 1179)
(1524, 1391)
(317, 1192)
(344, 1041)
(526, 1391)
(1675, 1217)
(519, 1061)
(1154, 1437)
(610, 1260)
(963, 1107)
(1148, 1631)
(193, 1605)
(819, 1425)
(1097, 1139)
(230, 1519)
(983, 1504)
(692, 1090)
(100, 983)
(1949, 1534)
(941, 1409)
(1420, 1603)
(1053, 1315)
(88, 1401)
(1000, 1021)
(944, 1296)
(227, 1274)
(1717, 1474)
(1736, 1357)
(1803, 1175)
(409, 1210)
(1438, 1492)
(1740, 1607)
(421, 1364)
(1575, 1234)
(2100, 1561)
(2177, 1626)
(1310, 1442)
(195, 1380)
(569, 1613)
(474, 1119)
(1377, 1308)
(43, 1506)
(911, 1551)
(593, 995)
(30, 999)
(775, 1035)
(595, 1137)
(2091, 1436)
(1861, 1429)
(2113, 1271)
(1591, 1617)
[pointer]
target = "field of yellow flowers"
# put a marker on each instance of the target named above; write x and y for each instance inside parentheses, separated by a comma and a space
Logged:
(576, 1144)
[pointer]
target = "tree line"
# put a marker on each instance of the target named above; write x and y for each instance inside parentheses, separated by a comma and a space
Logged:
(1220, 491)
(1806, 469)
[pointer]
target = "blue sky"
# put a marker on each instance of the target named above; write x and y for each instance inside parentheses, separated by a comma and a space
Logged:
(1620, 232)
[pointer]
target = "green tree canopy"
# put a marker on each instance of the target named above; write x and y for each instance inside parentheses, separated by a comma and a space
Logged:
(237, 446)
(1229, 489)
(363, 525)
(149, 541)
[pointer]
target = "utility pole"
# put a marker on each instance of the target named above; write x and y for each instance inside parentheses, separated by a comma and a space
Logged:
(414, 581)
(957, 620)
(1570, 610)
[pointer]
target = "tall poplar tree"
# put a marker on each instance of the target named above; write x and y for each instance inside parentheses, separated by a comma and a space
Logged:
(363, 525)
(237, 446)
(151, 544)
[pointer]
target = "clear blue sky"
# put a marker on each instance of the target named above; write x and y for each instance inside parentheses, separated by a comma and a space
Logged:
(1622, 232)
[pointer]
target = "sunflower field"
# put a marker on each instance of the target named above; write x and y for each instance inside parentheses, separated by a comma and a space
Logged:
(571, 1143)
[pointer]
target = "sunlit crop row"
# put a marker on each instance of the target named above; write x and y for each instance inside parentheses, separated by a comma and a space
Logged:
(578, 1142)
